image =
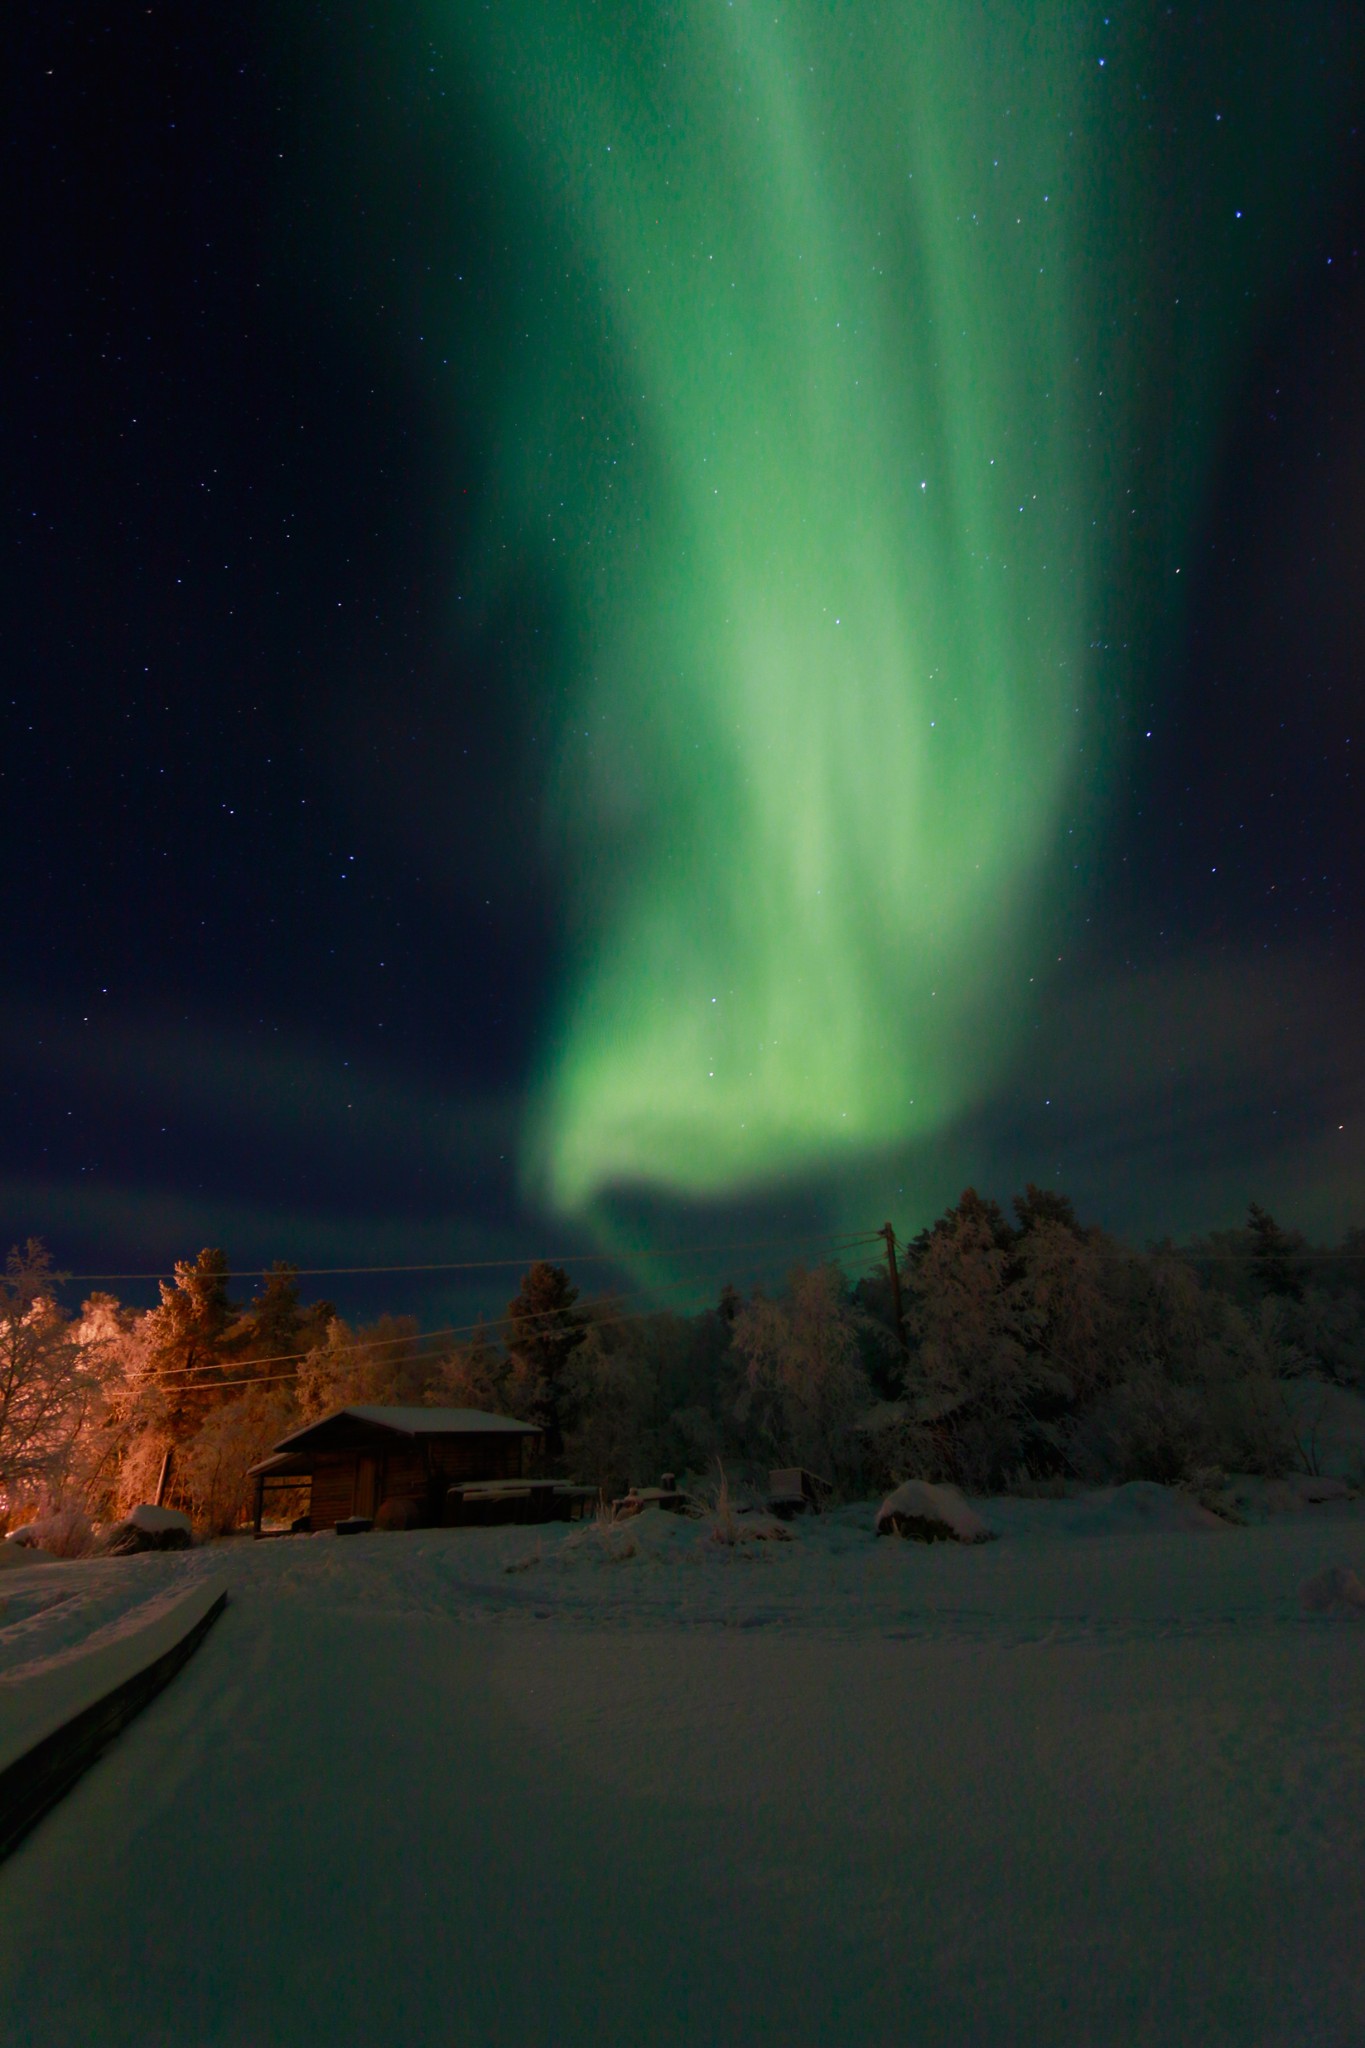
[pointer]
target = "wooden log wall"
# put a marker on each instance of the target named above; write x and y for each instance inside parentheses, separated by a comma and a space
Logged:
(333, 1494)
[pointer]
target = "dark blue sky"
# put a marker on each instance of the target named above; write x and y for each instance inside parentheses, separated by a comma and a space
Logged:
(282, 926)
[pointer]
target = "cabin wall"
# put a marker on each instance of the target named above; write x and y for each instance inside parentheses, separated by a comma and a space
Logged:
(403, 1475)
(333, 1487)
(416, 1471)
(457, 1458)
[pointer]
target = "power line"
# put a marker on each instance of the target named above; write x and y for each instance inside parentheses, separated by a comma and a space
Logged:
(494, 1265)
(489, 1325)
(380, 1343)
(419, 1358)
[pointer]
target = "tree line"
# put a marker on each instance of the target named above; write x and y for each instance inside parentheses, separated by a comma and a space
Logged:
(1020, 1350)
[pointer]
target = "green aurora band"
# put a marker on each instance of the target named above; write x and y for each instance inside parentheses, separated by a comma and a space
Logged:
(886, 400)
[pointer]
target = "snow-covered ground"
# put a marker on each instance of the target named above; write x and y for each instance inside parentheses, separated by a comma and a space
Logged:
(1101, 1781)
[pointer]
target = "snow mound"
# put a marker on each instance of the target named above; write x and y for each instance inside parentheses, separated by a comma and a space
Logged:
(1246, 1497)
(613, 1542)
(755, 1529)
(19, 1556)
(67, 1533)
(1315, 1488)
(1332, 1419)
(41, 1696)
(1338, 1590)
(156, 1519)
(931, 1514)
(609, 1540)
(149, 1528)
(1142, 1504)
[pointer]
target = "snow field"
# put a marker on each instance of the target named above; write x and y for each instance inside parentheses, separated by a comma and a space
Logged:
(1102, 1781)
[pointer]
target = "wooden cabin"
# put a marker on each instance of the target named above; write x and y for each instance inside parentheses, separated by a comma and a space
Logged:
(356, 1459)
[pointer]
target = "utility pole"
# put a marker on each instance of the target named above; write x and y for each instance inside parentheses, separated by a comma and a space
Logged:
(893, 1269)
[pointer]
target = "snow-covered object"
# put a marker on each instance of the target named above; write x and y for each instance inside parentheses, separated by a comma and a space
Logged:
(149, 1528)
(1315, 1488)
(1338, 1590)
(1331, 1420)
(1250, 1497)
(19, 1556)
(1139, 1505)
(614, 1541)
(157, 1520)
(67, 1533)
(931, 1514)
(43, 1695)
(752, 1529)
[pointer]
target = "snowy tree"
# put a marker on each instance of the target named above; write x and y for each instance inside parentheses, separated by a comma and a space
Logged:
(479, 1374)
(211, 1469)
(544, 1328)
(380, 1363)
(804, 1383)
(185, 1339)
(49, 1383)
(275, 1327)
(985, 1394)
(611, 1387)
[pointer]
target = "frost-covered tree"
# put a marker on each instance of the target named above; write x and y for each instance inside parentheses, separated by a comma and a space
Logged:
(382, 1362)
(611, 1388)
(479, 1374)
(49, 1383)
(1009, 1329)
(804, 1380)
(117, 1456)
(275, 1328)
(212, 1467)
(184, 1336)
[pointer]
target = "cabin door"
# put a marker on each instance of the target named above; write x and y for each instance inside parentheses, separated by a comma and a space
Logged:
(366, 1486)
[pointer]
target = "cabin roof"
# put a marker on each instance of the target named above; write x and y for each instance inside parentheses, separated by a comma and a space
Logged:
(280, 1465)
(339, 1426)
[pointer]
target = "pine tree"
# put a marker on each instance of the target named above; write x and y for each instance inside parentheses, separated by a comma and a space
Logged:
(276, 1327)
(186, 1332)
(47, 1380)
(544, 1329)
(1275, 1261)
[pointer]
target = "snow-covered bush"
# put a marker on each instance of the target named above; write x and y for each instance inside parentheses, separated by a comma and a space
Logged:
(66, 1532)
(931, 1514)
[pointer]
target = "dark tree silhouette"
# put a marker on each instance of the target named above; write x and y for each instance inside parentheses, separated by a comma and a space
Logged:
(1276, 1263)
(544, 1329)
(1046, 1205)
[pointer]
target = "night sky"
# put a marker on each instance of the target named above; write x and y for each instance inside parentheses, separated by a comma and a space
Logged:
(392, 753)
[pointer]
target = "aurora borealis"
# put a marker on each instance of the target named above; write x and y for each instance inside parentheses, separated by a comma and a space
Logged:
(650, 625)
(891, 307)
(844, 667)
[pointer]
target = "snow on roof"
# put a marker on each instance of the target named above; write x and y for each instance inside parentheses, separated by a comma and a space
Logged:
(415, 1422)
(438, 1421)
(281, 1463)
